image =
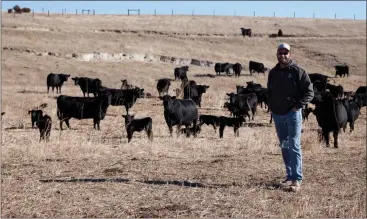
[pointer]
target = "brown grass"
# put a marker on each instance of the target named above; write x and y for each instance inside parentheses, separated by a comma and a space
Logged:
(194, 177)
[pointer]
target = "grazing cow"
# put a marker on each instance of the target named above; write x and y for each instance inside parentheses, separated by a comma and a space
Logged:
(237, 68)
(137, 125)
(2, 113)
(341, 70)
(335, 91)
(163, 86)
(241, 104)
(125, 85)
(210, 120)
(35, 116)
(181, 72)
(195, 93)
(353, 108)
(88, 85)
(306, 112)
(262, 97)
(56, 80)
(314, 77)
(44, 124)
(246, 32)
(83, 108)
(257, 67)
(236, 123)
(280, 33)
(331, 116)
(179, 112)
(191, 130)
(223, 67)
(125, 98)
(361, 90)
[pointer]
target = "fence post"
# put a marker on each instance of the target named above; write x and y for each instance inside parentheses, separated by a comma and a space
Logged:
(213, 13)
(192, 12)
(33, 14)
(94, 12)
(138, 11)
(155, 12)
(314, 15)
(172, 12)
(43, 10)
(294, 14)
(48, 13)
(76, 11)
(254, 13)
(354, 16)
(274, 13)
(234, 12)
(62, 12)
(335, 15)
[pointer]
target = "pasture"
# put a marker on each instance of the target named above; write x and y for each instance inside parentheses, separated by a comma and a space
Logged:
(87, 173)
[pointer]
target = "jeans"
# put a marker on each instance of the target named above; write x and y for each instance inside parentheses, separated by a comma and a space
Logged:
(288, 128)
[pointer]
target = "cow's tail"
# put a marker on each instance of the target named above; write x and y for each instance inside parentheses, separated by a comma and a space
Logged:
(58, 113)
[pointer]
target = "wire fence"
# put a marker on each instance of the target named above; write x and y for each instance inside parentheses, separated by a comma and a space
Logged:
(134, 12)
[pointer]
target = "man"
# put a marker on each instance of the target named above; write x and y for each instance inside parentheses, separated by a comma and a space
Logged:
(290, 89)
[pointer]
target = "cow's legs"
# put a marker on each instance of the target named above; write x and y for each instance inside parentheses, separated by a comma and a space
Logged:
(236, 131)
(96, 123)
(48, 89)
(53, 89)
(178, 130)
(351, 125)
(195, 125)
(67, 122)
(170, 129)
(335, 134)
(215, 128)
(325, 134)
(188, 133)
(221, 130)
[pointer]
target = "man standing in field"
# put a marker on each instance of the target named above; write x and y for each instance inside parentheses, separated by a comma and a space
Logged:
(290, 89)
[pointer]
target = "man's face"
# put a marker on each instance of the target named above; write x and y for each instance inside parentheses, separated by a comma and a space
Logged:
(284, 56)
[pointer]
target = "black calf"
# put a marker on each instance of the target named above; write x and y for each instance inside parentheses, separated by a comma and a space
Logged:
(44, 125)
(236, 123)
(137, 125)
(209, 120)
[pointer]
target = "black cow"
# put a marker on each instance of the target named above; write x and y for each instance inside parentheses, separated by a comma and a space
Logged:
(252, 85)
(241, 104)
(243, 90)
(163, 86)
(56, 80)
(335, 91)
(125, 98)
(341, 70)
(280, 33)
(223, 67)
(83, 108)
(246, 32)
(179, 112)
(209, 120)
(236, 123)
(331, 116)
(257, 67)
(353, 108)
(137, 125)
(314, 77)
(362, 98)
(44, 124)
(361, 90)
(320, 86)
(195, 93)
(181, 72)
(35, 116)
(88, 85)
(237, 68)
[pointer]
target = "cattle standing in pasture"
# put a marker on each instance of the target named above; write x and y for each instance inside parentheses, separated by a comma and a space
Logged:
(280, 33)
(10, 10)
(181, 72)
(35, 116)
(163, 86)
(314, 77)
(320, 86)
(195, 93)
(179, 112)
(125, 85)
(246, 32)
(236, 123)
(125, 98)
(26, 10)
(335, 91)
(191, 130)
(353, 108)
(44, 124)
(83, 108)
(241, 104)
(237, 68)
(341, 70)
(257, 67)
(56, 80)
(88, 85)
(331, 116)
(223, 67)
(137, 125)
(210, 120)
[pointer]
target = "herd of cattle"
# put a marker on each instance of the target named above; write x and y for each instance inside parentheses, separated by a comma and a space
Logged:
(334, 107)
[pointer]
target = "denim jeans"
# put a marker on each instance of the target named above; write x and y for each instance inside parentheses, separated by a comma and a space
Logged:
(288, 128)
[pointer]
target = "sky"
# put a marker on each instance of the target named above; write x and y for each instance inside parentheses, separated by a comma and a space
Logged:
(304, 9)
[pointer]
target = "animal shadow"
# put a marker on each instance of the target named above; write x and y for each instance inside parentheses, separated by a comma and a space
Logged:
(85, 180)
(31, 92)
(205, 75)
(183, 183)
(257, 125)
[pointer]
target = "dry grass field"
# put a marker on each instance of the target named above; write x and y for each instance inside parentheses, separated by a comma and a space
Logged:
(87, 173)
